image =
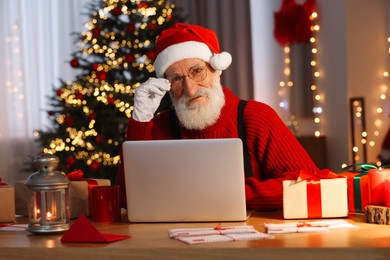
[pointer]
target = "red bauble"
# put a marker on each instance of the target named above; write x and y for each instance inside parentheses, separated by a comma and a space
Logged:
(110, 99)
(152, 26)
(117, 10)
(142, 5)
(151, 55)
(74, 63)
(92, 116)
(100, 138)
(95, 32)
(70, 161)
(95, 66)
(130, 28)
(78, 95)
(94, 166)
(59, 92)
(130, 58)
(101, 75)
(50, 113)
(69, 121)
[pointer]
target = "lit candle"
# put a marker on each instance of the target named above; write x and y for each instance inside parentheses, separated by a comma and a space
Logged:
(377, 186)
(50, 216)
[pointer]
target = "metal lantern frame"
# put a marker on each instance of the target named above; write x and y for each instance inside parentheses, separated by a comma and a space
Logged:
(48, 197)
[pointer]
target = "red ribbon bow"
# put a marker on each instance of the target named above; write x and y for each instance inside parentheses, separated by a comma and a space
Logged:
(313, 189)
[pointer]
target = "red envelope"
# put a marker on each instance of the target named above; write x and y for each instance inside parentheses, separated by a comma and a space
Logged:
(83, 231)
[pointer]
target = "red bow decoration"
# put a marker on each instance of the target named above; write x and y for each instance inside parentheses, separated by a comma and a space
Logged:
(313, 189)
(76, 175)
(293, 23)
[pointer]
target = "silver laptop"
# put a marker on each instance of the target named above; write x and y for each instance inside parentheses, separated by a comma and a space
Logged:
(184, 180)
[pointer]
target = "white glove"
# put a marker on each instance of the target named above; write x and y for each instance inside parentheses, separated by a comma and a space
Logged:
(147, 98)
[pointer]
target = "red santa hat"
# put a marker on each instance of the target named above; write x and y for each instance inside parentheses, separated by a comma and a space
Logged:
(183, 41)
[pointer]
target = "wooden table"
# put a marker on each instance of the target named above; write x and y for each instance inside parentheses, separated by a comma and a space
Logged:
(150, 241)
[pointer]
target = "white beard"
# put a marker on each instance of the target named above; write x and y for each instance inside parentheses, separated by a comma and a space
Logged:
(199, 116)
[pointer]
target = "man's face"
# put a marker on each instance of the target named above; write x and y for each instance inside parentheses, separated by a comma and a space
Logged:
(196, 93)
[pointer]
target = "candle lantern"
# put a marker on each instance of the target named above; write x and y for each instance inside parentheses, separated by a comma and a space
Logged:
(48, 197)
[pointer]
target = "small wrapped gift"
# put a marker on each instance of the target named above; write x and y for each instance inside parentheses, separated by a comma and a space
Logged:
(358, 190)
(315, 195)
(79, 192)
(7, 203)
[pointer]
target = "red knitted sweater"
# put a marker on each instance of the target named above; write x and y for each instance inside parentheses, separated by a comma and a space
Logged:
(275, 153)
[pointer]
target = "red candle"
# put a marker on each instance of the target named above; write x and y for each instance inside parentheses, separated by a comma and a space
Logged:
(387, 189)
(376, 184)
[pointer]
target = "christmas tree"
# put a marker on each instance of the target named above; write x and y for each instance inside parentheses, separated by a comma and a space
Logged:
(116, 55)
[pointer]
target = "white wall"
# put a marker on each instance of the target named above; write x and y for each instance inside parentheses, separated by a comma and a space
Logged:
(352, 57)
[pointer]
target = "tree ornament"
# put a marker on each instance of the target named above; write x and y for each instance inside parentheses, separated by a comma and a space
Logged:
(130, 28)
(70, 161)
(143, 5)
(92, 116)
(95, 32)
(110, 100)
(152, 26)
(95, 66)
(117, 10)
(101, 75)
(151, 55)
(94, 166)
(78, 95)
(100, 138)
(74, 63)
(50, 113)
(69, 121)
(59, 92)
(129, 58)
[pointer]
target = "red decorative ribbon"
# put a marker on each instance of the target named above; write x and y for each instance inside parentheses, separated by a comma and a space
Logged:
(313, 189)
(79, 176)
(2, 183)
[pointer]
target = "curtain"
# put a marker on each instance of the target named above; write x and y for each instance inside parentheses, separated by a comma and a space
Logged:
(35, 45)
(230, 19)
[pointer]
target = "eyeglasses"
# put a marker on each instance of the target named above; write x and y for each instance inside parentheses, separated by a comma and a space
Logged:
(197, 73)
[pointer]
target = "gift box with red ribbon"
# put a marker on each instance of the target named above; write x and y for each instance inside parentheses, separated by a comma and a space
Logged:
(315, 195)
(7, 203)
(79, 194)
(358, 186)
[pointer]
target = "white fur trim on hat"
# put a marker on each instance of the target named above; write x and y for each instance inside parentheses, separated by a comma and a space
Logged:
(221, 61)
(190, 49)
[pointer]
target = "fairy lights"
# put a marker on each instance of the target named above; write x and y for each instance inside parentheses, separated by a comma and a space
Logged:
(286, 85)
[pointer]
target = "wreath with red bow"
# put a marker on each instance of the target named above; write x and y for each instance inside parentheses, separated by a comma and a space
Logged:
(292, 22)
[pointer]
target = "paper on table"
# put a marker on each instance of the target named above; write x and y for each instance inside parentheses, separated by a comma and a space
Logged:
(308, 226)
(217, 234)
(13, 227)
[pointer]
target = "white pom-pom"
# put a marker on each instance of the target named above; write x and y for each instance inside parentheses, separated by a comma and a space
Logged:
(221, 61)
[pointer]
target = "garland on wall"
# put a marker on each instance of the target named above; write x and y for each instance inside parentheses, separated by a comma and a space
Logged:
(294, 24)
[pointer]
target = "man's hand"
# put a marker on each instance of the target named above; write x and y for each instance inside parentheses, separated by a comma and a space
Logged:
(147, 98)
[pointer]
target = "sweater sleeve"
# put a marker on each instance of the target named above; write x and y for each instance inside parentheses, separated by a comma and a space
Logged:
(276, 155)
